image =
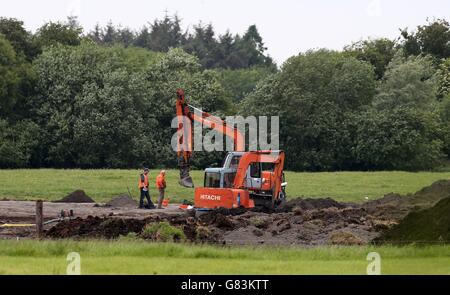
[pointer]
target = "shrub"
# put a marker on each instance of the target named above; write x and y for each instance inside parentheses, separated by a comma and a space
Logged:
(163, 232)
(345, 238)
(203, 233)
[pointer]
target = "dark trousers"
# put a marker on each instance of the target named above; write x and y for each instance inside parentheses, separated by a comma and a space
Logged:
(161, 198)
(145, 194)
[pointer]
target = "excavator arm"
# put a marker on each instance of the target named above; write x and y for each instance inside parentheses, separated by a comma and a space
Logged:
(186, 115)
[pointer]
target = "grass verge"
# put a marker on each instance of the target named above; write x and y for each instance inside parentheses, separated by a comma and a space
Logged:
(140, 257)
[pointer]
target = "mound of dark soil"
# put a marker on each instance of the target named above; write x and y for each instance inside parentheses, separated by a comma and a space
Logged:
(396, 206)
(95, 227)
(436, 190)
(123, 201)
(78, 196)
(430, 225)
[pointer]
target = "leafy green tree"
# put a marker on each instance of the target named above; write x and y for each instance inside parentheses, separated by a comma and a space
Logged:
(165, 34)
(110, 121)
(125, 37)
(113, 106)
(402, 138)
(203, 44)
(241, 82)
(230, 52)
(409, 82)
(109, 34)
(9, 79)
(378, 52)
(96, 34)
(177, 69)
(410, 43)
(65, 33)
(242, 51)
(143, 38)
(21, 40)
(225, 49)
(444, 112)
(432, 38)
(443, 78)
(70, 102)
(313, 95)
(253, 47)
(87, 94)
(18, 143)
(331, 76)
(16, 83)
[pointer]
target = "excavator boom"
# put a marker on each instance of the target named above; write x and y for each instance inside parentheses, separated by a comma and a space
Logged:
(186, 115)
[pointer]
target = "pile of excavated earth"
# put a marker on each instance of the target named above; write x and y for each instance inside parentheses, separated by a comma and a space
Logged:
(123, 201)
(423, 216)
(78, 196)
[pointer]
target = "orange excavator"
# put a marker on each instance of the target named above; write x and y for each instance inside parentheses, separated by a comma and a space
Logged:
(247, 179)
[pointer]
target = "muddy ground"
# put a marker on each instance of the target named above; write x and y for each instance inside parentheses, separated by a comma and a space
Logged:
(23, 212)
(303, 222)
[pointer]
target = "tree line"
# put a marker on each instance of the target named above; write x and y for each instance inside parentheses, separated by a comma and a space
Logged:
(105, 98)
(226, 51)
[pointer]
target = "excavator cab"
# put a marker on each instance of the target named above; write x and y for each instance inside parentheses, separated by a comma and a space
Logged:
(260, 183)
(223, 177)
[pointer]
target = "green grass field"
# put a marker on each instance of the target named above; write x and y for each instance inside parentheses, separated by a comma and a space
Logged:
(53, 184)
(139, 257)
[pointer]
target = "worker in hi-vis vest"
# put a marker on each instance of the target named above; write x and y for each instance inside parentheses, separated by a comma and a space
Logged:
(161, 186)
(143, 187)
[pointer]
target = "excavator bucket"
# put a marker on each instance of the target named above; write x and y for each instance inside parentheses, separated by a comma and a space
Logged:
(185, 178)
(187, 181)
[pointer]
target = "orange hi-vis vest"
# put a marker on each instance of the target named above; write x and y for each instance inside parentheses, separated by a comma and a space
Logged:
(143, 181)
(160, 181)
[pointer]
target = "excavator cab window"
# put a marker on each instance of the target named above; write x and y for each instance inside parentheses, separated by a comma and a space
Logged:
(255, 170)
(268, 167)
(234, 163)
(228, 179)
(253, 178)
(212, 179)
